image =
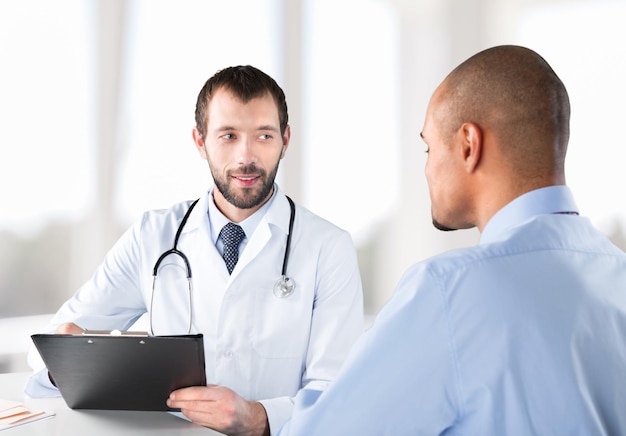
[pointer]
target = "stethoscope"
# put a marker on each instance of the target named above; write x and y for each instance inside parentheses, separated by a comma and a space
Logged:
(283, 288)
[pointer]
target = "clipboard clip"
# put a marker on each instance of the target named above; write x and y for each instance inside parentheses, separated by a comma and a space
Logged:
(115, 332)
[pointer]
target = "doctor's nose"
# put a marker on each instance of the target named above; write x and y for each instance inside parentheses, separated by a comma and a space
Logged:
(245, 152)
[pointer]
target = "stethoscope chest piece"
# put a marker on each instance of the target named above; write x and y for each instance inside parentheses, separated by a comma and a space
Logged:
(284, 287)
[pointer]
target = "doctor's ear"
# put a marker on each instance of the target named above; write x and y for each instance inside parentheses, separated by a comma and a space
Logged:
(286, 138)
(198, 140)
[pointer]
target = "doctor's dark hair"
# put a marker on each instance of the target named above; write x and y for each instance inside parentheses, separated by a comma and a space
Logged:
(247, 83)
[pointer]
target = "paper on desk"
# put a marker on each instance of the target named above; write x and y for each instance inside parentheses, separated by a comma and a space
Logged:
(13, 413)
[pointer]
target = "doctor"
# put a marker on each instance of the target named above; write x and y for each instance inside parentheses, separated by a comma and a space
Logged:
(284, 317)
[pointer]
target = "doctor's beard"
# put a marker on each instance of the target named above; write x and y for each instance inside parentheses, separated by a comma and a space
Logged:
(246, 198)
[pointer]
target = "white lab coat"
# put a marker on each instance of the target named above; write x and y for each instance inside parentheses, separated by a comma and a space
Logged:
(263, 347)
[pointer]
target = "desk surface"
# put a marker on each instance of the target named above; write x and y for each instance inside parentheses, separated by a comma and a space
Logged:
(92, 422)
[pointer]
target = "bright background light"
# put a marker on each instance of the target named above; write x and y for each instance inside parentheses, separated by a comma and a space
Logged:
(367, 67)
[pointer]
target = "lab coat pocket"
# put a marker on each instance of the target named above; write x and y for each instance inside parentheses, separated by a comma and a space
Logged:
(281, 325)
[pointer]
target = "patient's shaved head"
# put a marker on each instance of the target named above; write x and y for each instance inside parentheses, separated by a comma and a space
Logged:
(513, 92)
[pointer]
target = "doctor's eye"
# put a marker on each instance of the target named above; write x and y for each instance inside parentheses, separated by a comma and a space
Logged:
(228, 136)
(266, 137)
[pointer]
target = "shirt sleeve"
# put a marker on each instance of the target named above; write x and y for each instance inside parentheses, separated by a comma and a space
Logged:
(278, 411)
(39, 386)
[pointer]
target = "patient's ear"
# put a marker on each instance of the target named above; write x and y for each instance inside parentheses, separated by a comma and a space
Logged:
(471, 145)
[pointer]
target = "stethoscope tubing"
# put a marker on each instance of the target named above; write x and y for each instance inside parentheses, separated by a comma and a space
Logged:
(292, 218)
(176, 251)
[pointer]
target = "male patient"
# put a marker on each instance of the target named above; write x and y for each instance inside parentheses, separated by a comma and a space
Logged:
(524, 334)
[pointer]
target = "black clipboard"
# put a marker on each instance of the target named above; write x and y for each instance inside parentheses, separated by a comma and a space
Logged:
(121, 372)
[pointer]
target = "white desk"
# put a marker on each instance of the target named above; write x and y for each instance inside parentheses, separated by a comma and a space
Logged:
(92, 422)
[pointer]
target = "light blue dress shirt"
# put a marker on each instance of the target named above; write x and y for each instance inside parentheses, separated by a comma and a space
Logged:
(523, 334)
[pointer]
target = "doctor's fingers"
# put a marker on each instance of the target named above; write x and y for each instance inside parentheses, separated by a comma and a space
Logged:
(69, 328)
(219, 413)
(204, 393)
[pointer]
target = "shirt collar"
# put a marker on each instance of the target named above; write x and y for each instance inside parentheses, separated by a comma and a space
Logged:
(549, 200)
(217, 220)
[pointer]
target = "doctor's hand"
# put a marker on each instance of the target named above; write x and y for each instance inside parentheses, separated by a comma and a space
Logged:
(69, 328)
(221, 409)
